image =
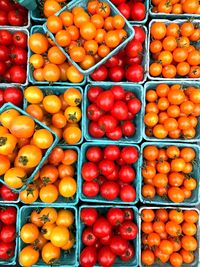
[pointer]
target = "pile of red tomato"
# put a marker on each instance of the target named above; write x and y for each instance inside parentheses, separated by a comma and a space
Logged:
(109, 172)
(13, 14)
(127, 64)
(13, 95)
(111, 112)
(8, 218)
(108, 237)
(13, 56)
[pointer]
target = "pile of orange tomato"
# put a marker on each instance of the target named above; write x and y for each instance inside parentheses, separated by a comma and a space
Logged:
(174, 50)
(55, 178)
(48, 63)
(62, 113)
(48, 233)
(172, 111)
(88, 35)
(22, 147)
(167, 173)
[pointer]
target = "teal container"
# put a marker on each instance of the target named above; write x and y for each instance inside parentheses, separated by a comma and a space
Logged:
(58, 90)
(102, 209)
(144, 62)
(36, 16)
(14, 30)
(45, 156)
(12, 261)
(167, 22)
(66, 259)
(114, 11)
(30, 5)
(152, 85)
(157, 200)
(98, 198)
(35, 29)
(157, 263)
(138, 90)
(62, 200)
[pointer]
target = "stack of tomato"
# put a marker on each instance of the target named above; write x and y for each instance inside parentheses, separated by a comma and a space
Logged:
(21, 147)
(170, 236)
(172, 111)
(127, 64)
(8, 217)
(174, 50)
(167, 172)
(13, 56)
(62, 113)
(48, 63)
(131, 10)
(176, 7)
(54, 179)
(110, 173)
(108, 236)
(6, 194)
(88, 35)
(111, 112)
(11, 94)
(49, 232)
(13, 14)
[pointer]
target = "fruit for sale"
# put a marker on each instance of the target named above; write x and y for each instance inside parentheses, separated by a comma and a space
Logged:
(128, 64)
(88, 39)
(109, 236)
(47, 235)
(13, 60)
(111, 112)
(61, 112)
(173, 234)
(55, 178)
(8, 217)
(48, 63)
(13, 14)
(20, 153)
(172, 111)
(174, 50)
(177, 7)
(109, 173)
(168, 172)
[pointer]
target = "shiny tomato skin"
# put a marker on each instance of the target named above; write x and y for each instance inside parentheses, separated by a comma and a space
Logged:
(100, 74)
(8, 233)
(89, 216)
(88, 237)
(111, 152)
(128, 230)
(7, 250)
(93, 93)
(20, 39)
(17, 74)
(128, 128)
(129, 154)
(102, 227)
(13, 95)
(5, 37)
(118, 92)
(115, 216)
(120, 110)
(106, 257)
(127, 174)
(105, 100)
(88, 257)
(95, 130)
(90, 189)
(106, 167)
(116, 74)
(134, 73)
(7, 194)
(139, 34)
(116, 134)
(8, 215)
(89, 171)
(118, 245)
(128, 254)
(94, 112)
(107, 123)
(94, 154)
(109, 190)
(127, 193)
